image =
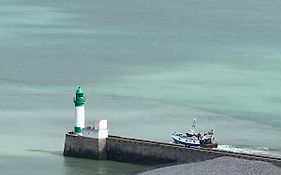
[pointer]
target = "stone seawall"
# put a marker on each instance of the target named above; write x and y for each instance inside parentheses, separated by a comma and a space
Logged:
(146, 152)
(151, 152)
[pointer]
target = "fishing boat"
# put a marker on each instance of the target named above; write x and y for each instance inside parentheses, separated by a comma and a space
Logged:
(191, 139)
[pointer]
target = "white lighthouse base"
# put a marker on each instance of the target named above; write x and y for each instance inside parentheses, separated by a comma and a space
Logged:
(100, 124)
(100, 134)
(98, 130)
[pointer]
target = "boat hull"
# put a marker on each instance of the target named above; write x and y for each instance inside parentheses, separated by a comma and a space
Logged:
(187, 144)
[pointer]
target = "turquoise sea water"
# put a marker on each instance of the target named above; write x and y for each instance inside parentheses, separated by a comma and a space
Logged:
(149, 67)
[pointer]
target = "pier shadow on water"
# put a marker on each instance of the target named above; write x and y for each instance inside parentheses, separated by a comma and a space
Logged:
(79, 166)
(101, 167)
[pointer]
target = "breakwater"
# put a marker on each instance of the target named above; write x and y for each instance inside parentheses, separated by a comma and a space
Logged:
(141, 151)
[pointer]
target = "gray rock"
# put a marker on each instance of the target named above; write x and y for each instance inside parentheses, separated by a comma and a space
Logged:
(219, 166)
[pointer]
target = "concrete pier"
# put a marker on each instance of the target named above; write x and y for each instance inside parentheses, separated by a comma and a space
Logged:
(146, 152)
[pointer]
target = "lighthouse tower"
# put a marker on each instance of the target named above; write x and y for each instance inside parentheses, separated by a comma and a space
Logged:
(79, 101)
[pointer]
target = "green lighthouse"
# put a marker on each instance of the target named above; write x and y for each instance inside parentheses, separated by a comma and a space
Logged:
(79, 101)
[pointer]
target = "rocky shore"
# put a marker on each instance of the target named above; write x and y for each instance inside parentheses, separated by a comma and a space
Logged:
(221, 165)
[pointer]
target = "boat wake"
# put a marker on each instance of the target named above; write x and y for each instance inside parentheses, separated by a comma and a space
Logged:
(248, 150)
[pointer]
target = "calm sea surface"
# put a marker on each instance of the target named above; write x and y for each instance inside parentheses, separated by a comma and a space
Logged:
(148, 66)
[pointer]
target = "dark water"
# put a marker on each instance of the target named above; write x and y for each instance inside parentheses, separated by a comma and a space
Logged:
(149, 67)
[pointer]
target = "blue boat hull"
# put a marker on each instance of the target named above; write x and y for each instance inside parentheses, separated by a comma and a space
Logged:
(186, 144)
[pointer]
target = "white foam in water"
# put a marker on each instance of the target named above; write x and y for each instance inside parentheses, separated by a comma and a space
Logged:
(258, 151)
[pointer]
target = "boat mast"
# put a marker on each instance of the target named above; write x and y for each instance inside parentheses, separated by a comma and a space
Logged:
(193, 124)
